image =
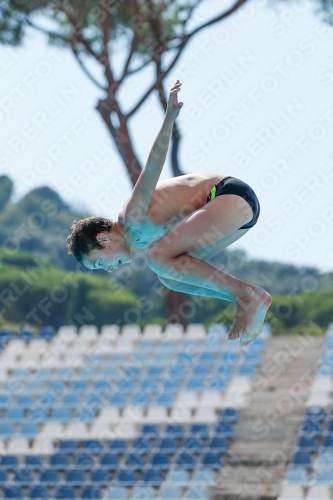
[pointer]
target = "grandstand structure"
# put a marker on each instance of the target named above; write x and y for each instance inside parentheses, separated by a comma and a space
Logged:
(128, 414)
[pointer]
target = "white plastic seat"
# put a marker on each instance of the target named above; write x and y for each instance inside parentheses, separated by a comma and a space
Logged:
(131, 332)
(88, 333)
(210, 399)
(188, 399)
(133, 414)
(8, 361)
(42, 446)
(318, 492)
(324, 460)
(174, 331)
(110, 331)
(79, 347)
(152, 332)
(108, 414)
(76, 430)
(51, 429)
(18, 446)
(205, 416)
(101, 430)
(156, 415)
(180, 415)
(124, 347)
(292, 492)
(72, 360)
(318, 398)
(195, 331)
(125, 431)
(322, 383)
(67, 333)
(3, 374)
(16, 346)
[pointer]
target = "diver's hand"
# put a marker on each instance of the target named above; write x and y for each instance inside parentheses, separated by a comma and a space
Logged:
(173, 107)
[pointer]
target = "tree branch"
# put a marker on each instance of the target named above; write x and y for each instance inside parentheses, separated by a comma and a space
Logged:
(86, 71)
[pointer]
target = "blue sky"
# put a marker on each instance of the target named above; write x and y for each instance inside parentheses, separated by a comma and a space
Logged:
(257, 93)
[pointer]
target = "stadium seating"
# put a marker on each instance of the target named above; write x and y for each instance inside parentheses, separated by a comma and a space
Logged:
(123, 413)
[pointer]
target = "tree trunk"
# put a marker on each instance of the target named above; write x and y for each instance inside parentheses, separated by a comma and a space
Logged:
(174, 302)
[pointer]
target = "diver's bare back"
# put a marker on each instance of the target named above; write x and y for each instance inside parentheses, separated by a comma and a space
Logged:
(171, 201)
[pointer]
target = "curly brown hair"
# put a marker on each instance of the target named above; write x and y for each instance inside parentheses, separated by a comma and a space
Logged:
(82, 235)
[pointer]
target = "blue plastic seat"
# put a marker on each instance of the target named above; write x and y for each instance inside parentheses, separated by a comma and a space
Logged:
(155, 371)
(207, 357)
(85, 415)
(116, 359)
(109, 461)
(71, 400)
(57, 387)
(110, 373)
(34, 462)
(74, 477)
(152, 477)
(38, 492)
(150, 430)
(224, 430)
(24, 401)
(297, 475)
(323, 476)
(126, 478)
(168, 346)
(23, 477)
(125, 386)
(178, 371)
(160, 461)
(46, 332)
(197, 493)
(246, 370)
(43, 374)
(185, 461)
(328, 442)
(5, 335)
(94, 360)
(100, 477)
(4, 401)
(199, 430)
(200, 370)
(203, 477)
(211, 461)
(14, 492)
(191, 345)
(218, 445)
(223, 371)
(310, 429)
(174, 430)
(171, 386)
(302, 459)
(167, 445)
(8, 462)
(37, 416)
(252, 358)
(307, 445)
(229, 414)
(193, 445)
(47, 401)
(116, 493)
(179, 477)
(15, 415)
(6, 430)
(133, 372)
(63, 415)
(102, 387)
(49, 477)
(58, 461)
(134, 461)
(65, 373)
(29, 430)
(34, 387)
(229, 357)
(141, 399)
(170, 493)
(141, 445)
(13, 386)
(328, 431)
(146, 346)
(118, 400)
(79, 386)
(194, 384)
(139, 359)
(92, 446)
(143, 493)
(83, 461)
(315, 413)
(149, 386)
(20, 374)
(94, 401)
(164, 399)
(68, 446)
(162, 359)
(118, 446)
(90, 492)
(64, 493)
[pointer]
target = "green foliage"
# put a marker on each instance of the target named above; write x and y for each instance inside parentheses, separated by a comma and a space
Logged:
(6, 190)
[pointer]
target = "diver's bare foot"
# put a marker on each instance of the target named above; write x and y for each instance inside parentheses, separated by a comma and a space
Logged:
(250, 315)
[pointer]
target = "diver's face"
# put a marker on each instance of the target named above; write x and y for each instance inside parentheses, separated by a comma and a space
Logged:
(115, 252)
